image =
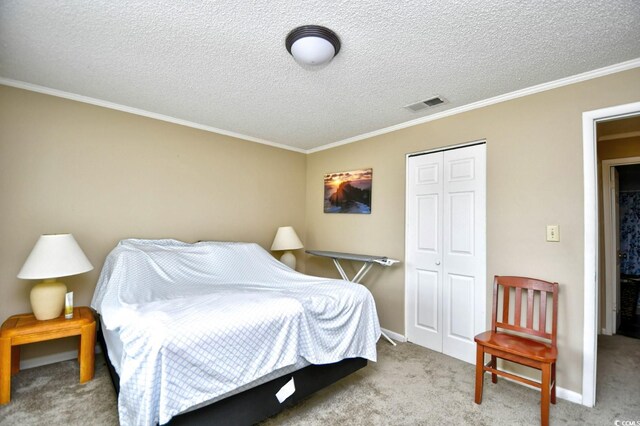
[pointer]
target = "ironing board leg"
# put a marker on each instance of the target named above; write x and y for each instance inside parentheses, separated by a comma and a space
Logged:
(388, 338)
(360, 275)
(339, 268)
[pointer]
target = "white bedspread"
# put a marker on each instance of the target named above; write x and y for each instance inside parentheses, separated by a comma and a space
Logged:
(199, 320)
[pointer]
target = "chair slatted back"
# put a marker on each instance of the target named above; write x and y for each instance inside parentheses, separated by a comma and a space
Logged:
(530, 286)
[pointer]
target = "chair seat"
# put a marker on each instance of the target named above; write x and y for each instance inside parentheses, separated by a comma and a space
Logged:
(518, 345)
(525, 343)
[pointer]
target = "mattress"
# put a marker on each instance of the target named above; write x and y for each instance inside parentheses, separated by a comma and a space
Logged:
(194, 323)
(114, 346)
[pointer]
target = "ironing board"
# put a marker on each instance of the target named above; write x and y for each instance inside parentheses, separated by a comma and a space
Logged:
(367, 263)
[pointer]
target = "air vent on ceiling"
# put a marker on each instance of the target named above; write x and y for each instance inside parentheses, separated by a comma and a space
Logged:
(436, 100)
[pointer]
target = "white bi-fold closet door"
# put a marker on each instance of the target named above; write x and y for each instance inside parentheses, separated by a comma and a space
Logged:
(445, 288)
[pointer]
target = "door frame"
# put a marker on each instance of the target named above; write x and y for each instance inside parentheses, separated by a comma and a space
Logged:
(590, 163)
(610, 255)
(406, 221)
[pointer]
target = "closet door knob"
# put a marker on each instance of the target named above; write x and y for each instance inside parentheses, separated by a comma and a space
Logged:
(437, 262)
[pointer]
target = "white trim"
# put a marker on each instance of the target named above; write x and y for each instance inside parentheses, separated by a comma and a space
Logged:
(395, 336)
(443, 148)
(600, 72)
(609, 248)
(69, 355)
(39, 361)
(141, 112)
(610, 255)
(621, 161)
(48, 359)
(589, 142)
(561, 393)
(568, 395)
(623, 66)
(619, 136)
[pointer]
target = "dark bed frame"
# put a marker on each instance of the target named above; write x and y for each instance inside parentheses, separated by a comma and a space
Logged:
(260, 402)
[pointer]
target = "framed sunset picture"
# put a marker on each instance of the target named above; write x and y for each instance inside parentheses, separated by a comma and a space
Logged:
(348, 192)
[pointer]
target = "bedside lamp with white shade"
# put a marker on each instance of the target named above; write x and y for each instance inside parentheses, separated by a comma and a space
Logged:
(53, 256)
(286, 239)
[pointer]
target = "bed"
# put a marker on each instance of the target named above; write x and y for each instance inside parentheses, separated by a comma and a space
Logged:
(199, 328)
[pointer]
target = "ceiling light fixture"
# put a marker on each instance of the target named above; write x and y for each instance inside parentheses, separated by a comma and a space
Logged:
(312, 45)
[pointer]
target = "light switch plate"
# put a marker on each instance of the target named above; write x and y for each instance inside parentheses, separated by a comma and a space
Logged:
(552, 233)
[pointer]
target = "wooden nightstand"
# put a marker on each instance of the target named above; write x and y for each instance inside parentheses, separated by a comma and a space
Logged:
(25, 328)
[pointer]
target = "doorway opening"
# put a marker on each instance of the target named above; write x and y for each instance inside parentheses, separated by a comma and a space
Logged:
(620, 312)
(629, 224)
(592, 244)
(618, 154)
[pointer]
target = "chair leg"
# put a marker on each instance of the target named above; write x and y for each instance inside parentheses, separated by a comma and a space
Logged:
(479, 372)
(544, 398)
(494, 364)
(553, 380)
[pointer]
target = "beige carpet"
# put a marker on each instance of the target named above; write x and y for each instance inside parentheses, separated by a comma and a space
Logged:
(409, 385)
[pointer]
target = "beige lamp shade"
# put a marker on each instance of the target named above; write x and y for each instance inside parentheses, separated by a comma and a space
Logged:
(287, 239)
(53, 256)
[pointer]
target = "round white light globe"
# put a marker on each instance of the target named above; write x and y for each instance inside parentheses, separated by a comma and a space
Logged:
(312, 51)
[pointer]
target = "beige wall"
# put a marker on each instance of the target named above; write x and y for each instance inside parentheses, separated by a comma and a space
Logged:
(534, 178)
(104, 175)
(618, 148)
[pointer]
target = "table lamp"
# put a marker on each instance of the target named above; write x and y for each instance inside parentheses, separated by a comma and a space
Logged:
(287, 239)
(53, 256)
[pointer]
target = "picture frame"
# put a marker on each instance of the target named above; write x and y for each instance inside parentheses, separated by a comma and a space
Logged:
(348, 192)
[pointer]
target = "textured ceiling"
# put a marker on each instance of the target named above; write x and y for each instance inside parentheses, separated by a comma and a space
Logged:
(223, 64)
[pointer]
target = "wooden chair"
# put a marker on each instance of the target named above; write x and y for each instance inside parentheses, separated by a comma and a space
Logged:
(529, 344)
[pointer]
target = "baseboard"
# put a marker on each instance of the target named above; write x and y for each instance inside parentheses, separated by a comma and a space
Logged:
(39, 361)
(562, 393)
(394, 336)
(569, 395)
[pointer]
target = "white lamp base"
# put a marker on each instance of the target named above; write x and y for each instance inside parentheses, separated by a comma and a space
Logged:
(47, 299)
(289, 259)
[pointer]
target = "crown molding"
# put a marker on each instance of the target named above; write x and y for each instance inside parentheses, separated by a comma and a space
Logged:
(137, 111)
(600, 72)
